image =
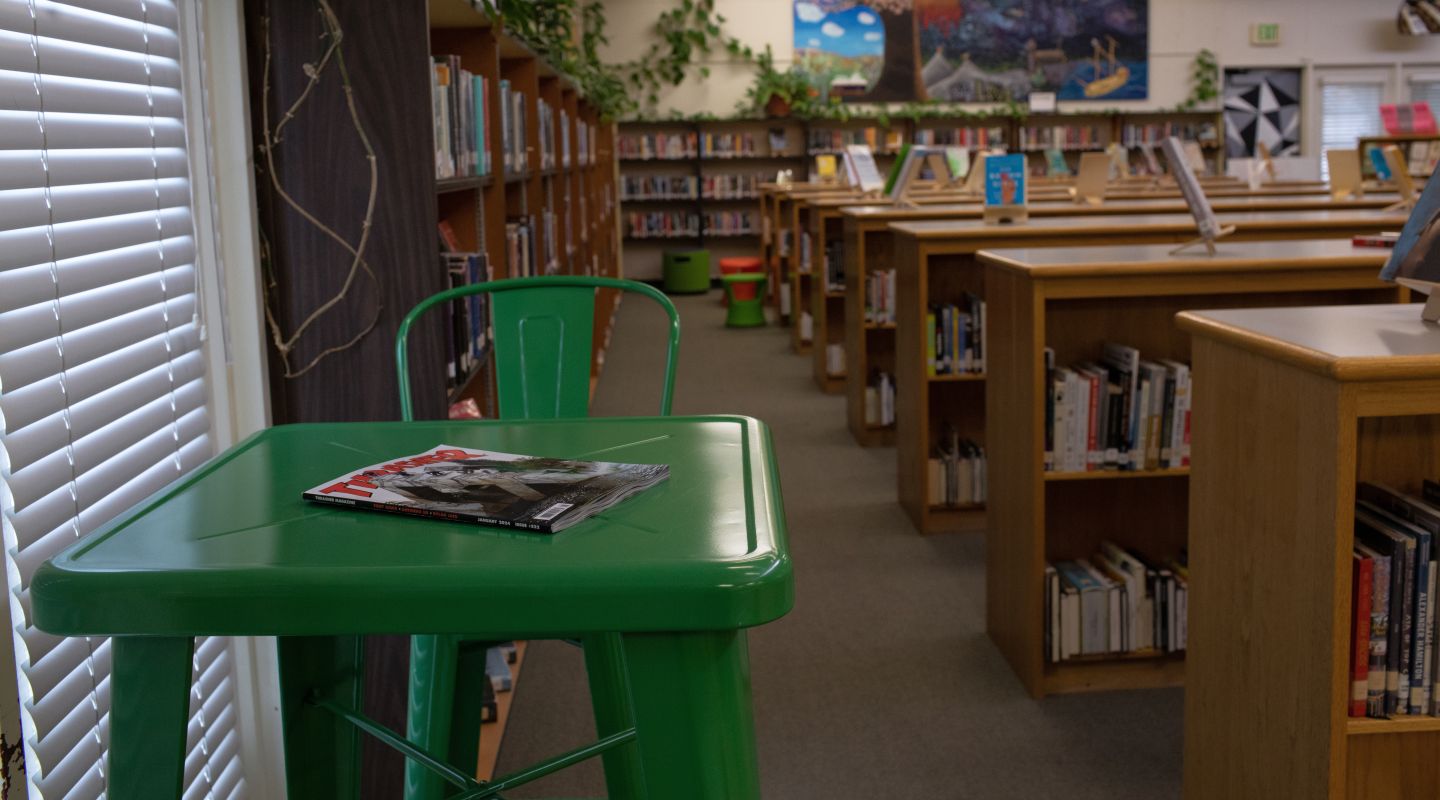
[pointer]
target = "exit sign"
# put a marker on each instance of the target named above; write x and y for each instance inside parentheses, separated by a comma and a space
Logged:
(1265, 33)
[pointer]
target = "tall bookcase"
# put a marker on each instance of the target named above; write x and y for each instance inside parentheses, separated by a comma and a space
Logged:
(567, 194)
(1421, 151)
(1073, 301)
(1314, 400)
(717, 168)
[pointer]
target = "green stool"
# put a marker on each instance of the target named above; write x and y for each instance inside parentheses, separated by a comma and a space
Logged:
(744, 312)
(687, 271)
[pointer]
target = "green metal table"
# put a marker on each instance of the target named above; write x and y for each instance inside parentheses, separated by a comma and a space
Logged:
(680, 571)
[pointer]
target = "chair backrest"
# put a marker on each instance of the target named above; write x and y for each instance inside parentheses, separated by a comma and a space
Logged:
(544, 327)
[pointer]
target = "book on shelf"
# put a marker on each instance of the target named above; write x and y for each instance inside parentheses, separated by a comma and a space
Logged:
(880, 399)
(653, 145)
(497, 668)
(730, 145)
(835, 265)
(728, 223)
(956, 474)
(1136, 134)
(1396, 535)
(460, 484)
(1384, 240)
(961, 137)
(1063, 137)
(468, 318)
(460, 109)
(835, 140)
(880, 297)
(730, 186)
(545, 116)
(1119, 413)
(835, 359)
(662, 224)
(1115, 602)
(520, 253)
(804, 265)
(565, 151)
(955, 337)
(807, 327)
(512, 129)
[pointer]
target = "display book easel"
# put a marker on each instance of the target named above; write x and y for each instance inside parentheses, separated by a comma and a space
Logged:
(1415, 262)
(1182, 169)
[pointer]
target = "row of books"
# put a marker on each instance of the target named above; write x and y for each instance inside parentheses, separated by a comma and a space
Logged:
(1421, 155)
(836, 140)
(1135, 134)
(956, 474)
(880, 399)
(880, 297)
(961, 137)
(835, 265)
(658, 145)
(516, 156)
(689, 187)
(728, 145)
(1119, 413)
(1113, 603)
(955, 336)
(728, 223)
(468, 318)
(1064, 137)
(520, 249)
(501, 678)
(545, 115)
(661, 224)
(1394, 664)
(460, 113)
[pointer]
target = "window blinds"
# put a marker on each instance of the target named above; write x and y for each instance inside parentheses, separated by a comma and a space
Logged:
(103, 395)
(1348, 110)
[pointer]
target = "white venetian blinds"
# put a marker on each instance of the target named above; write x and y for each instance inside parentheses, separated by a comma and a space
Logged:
(102, 380)
(1348, 110)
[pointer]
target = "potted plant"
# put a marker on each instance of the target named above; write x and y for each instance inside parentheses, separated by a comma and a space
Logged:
(777, 93)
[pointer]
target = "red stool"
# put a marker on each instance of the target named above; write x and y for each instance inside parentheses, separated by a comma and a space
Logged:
(734, 265)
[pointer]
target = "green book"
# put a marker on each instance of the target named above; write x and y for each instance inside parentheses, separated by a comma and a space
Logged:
(930, 344)
(896, 167)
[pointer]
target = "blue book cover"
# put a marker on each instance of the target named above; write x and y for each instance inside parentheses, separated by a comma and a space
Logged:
(1377, 160)
(1415, 261)
(1005, 180)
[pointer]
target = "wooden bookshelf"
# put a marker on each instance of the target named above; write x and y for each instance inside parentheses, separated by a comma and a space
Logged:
(1421, 151)
(578, 189)
(492, 733)
(1073, 300)
(754, 158)
(1314, 400)
(936, 262)
(868, 243)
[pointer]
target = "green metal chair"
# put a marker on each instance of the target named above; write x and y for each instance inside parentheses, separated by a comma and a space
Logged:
(744, 313)
(542, 347)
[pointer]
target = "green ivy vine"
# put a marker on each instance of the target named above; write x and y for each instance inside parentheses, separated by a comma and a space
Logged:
(1204, 81)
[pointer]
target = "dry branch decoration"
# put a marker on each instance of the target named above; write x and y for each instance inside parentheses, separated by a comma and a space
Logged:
(331, 58)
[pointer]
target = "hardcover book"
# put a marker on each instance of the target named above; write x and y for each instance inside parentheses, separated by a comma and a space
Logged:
(480, 486)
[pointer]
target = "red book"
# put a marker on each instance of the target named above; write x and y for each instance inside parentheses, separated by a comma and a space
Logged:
(1362, 575)
(447, 235)
(1385, 240)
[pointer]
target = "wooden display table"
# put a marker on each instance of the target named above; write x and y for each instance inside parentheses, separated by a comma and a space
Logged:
(868, 243)
(1073, 300)
(936, 263)
(1296, 406)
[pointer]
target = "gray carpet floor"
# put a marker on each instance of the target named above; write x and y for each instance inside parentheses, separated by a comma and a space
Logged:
(881, 682)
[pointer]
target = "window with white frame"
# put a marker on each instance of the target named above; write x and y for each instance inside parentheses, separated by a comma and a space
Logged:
(1426, 89)
(103, 386)
(1349, 109)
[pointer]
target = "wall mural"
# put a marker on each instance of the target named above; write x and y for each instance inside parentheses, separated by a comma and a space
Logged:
(1262, 105)
(974, 50)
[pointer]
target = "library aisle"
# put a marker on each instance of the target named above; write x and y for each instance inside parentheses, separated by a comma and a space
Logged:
(881, 682)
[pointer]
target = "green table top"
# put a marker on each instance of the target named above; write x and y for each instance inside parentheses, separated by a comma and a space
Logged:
(232, 549)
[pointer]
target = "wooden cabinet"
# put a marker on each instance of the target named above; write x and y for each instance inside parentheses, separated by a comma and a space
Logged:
(1312, 401)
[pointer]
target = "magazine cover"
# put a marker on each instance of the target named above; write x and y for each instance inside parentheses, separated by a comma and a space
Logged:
(1416, 260)
(511, 491)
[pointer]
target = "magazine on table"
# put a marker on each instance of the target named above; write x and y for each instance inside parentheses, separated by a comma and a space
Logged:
(482, 486)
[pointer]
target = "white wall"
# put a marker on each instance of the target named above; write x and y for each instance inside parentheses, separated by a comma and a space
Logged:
(1317, 32)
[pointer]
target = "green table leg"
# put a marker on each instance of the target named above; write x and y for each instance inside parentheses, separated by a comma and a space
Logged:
(610, 697)
(432, 699)
(322, 751)
(149, 709)
(695, 726)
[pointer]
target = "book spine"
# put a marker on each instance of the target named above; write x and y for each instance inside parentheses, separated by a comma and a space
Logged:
(1362, 579)
(1379, 636)
(430, 513)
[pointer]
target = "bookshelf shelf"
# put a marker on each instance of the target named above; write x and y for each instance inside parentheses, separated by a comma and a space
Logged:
(1273, 506)
(962, 377)
(1115, 474)
(1075, 300)
(879, 326)
(447, 185)
(1367, 727)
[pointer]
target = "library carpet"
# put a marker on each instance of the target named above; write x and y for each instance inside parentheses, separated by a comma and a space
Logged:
(881, 682)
